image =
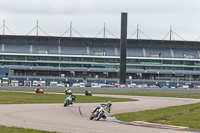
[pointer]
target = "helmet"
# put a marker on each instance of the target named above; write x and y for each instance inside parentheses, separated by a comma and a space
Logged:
(109, 103)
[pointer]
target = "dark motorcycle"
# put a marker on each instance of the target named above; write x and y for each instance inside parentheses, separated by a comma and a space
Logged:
(89, 93)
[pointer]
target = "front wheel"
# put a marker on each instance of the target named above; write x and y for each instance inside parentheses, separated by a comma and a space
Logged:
(98, 118)
(65, 104)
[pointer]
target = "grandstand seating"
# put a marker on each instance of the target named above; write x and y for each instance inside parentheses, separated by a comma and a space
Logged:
(134, 51)
(51, 48)
(179, 53)
(165, 52)
(73, 50)
(109, 50)
(16, 48)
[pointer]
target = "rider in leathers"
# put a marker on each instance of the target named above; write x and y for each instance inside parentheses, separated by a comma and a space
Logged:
(107, 105)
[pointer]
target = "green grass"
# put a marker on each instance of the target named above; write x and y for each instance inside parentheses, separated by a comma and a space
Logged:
(177, 95)
(23, 98)
(185, 115)
(5, 129)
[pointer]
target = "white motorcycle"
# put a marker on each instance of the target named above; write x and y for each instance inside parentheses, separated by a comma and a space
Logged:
(99, 113)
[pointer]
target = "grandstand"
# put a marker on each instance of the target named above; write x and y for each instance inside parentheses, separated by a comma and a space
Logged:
(79, 57)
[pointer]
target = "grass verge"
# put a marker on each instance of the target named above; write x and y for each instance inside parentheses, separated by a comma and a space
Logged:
(176, 95)
(5, 129)
(22, 98)
(185, 115)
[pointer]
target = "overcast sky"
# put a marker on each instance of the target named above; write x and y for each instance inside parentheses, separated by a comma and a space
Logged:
(88, 16)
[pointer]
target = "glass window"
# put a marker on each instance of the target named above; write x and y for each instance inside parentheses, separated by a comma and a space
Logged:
(178, 62)
(99, 60)
(66, 59)
(42, 64)
(87, 59)
(53, 58)
(74, 59)
(76, 65)
(8, 57)
(64, 65)
(31, 58)
(111, 60)
(54, 64)
(20, 57)
(133, 61)
(98, 65)
(28, 64)
(189, 63)
(167, 62)
(44, 58)
(80, 59)
(188, 68)
(87, 65)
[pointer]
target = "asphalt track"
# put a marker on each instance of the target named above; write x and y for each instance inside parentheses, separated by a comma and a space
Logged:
(75, 118)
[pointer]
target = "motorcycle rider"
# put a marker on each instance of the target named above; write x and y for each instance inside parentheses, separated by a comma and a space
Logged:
(73, 95)
(107, 105)
(66, 91)
(72, 98)
(86, 92)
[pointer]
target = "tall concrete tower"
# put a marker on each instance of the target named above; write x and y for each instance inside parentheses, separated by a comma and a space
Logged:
(123, 45)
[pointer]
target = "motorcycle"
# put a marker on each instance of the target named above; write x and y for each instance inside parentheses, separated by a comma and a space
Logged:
(68, 101)
(89, 93)
(38, 90)
(68, 92)
(98, 114)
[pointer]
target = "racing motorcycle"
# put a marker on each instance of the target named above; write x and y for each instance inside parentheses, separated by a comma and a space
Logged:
(68, 101)
(68, 92)
(99, 113)
(88, 94)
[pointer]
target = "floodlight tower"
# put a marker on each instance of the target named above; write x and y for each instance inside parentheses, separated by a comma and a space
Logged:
(123, 45)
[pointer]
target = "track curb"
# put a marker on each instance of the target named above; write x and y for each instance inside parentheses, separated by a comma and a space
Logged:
(113, 119)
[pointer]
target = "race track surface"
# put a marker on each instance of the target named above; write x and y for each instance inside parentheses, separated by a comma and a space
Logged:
(55, 117)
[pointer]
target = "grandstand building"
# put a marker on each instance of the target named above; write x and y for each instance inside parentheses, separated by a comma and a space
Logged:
(79, 57)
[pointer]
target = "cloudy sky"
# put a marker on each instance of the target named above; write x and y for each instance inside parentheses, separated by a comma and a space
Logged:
(88, 17)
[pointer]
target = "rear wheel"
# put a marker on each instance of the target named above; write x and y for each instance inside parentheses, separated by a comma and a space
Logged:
(104, 117)
(91, 117)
